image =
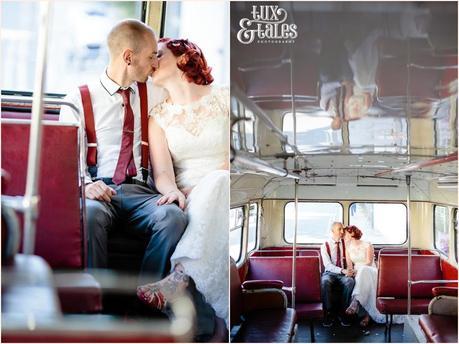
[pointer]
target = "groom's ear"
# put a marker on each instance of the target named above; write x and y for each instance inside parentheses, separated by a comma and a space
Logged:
(127, 56)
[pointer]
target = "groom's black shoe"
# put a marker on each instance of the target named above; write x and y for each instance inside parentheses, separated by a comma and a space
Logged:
(344, 321)
(328, 321)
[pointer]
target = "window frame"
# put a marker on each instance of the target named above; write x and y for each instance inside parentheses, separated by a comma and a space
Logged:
(382, 244)
(242, 233)
(307, 243)
(434, 231)
(256, 226)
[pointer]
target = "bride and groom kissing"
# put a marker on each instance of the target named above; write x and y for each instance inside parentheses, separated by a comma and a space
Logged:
(348, 284)
(154, 108)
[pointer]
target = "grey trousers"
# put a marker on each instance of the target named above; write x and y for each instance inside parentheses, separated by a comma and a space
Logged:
(135, 207)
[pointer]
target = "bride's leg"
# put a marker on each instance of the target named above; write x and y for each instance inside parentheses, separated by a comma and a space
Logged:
(156, 295)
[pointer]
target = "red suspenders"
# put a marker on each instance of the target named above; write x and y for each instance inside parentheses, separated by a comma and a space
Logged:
(91, 158)
(343, 258)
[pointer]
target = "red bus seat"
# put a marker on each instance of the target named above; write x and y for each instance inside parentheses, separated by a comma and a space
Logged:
(308, 303)
(262, 314)
(59, 234)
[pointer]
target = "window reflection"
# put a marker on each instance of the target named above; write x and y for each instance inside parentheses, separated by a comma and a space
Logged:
(313, 131)
(385, 134)
(77, 49)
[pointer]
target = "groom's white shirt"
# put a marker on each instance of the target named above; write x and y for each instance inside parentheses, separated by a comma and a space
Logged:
(329, 264)
(109, 119)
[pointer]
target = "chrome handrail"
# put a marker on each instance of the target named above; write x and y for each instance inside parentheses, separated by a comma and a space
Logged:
(31, 197)
(433, 281)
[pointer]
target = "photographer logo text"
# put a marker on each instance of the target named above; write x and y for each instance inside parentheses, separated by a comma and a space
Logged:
(268, 25)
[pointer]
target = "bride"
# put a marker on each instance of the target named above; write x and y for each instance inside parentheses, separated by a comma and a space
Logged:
(360, 256)
(188, 134)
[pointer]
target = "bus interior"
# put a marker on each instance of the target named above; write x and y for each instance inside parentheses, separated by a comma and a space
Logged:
(355, 121)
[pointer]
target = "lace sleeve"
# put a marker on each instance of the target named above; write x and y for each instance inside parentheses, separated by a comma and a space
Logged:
(222, 99)
(157, 112)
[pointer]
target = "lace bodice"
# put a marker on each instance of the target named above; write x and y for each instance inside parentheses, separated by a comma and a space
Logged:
(358, 254)
(197, 135)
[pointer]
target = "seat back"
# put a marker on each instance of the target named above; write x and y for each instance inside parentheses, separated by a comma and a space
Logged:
(280, 268)
(393, 275)
(59, 236)
(235, 295)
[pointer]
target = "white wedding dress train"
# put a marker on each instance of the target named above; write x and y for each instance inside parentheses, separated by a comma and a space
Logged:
(198, 139)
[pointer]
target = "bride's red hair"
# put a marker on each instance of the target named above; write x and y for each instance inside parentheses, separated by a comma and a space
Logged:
(354, 231)
(191, 60)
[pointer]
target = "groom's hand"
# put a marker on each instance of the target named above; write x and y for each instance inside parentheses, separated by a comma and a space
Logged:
(348, 272)
(173, 196)
(99, 191)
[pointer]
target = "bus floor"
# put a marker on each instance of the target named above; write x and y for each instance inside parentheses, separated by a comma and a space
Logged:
(374, 333)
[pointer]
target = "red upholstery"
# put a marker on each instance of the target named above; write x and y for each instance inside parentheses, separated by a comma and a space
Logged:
(266, 318)
(439, 328)
(307, 283)
(449, 272)
(235, 296)
(78, 292)
(285, 253)
(399, 306)
(448, 291)
(263, 284)
(273, 326)
(392, 76)
(59, 238)
(392, 278)
(392, 290)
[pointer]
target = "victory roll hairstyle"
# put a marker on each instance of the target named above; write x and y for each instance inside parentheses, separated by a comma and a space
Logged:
(191, 60)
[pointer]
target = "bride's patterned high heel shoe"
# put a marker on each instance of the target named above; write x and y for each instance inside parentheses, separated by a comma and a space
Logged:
(157, 295)
(353, 307)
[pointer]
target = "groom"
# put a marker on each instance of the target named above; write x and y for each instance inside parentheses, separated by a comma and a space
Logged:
(336, 281)
(115, 111)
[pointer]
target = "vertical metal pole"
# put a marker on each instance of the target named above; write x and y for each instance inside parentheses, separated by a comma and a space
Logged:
(294, 246)
(31, 198)
(408, 206)
(295, 161)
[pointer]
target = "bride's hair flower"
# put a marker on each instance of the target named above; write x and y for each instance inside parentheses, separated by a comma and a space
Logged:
(191, 60)
(354, 231)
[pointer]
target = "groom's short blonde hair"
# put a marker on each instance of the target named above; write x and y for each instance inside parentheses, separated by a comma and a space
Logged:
(129, 33)
(336, 223)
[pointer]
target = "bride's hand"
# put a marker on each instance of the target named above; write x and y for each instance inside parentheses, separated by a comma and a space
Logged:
(172, 196)
(186, 191)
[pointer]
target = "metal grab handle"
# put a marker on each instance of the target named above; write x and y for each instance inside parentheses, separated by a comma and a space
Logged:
(50, 101)
(433, 281)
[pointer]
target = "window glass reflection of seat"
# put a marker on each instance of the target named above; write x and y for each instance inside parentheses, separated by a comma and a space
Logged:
(76, 43)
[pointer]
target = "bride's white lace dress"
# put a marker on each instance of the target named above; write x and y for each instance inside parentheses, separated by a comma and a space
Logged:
(198, 140)
(366, 280)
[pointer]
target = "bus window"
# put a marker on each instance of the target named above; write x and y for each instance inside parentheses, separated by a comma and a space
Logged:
(441, 226)
(191, 20)
(236, 222)
(253, 227)
(314, 221)
(77, 50)
(381, 223)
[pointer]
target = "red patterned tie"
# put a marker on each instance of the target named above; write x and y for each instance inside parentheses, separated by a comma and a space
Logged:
(126, 166)
(338, 255)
